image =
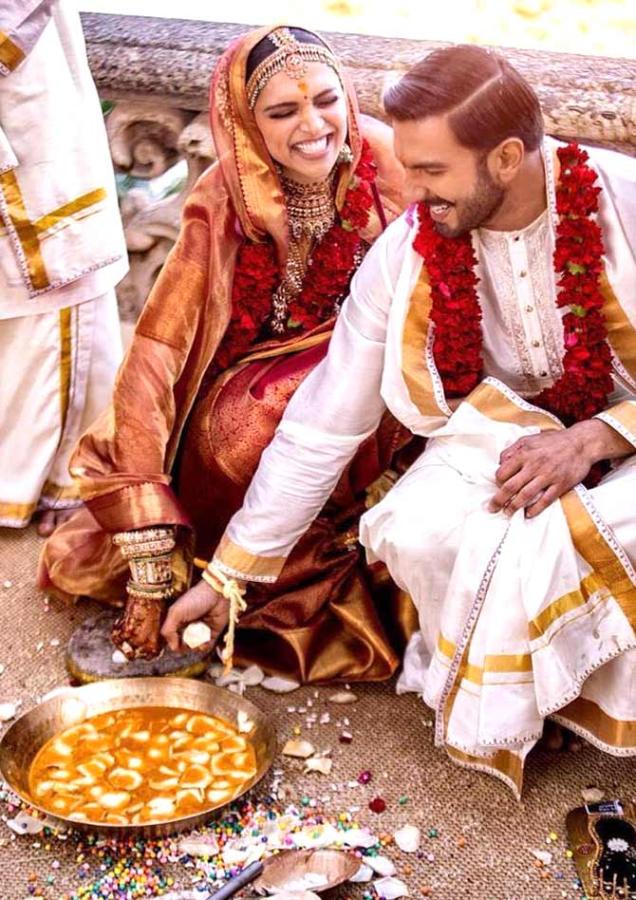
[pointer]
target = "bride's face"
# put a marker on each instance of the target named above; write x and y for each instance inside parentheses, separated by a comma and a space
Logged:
(303, 122)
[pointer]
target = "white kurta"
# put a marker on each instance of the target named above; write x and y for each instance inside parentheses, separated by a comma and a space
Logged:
(62, 251)
(520, 619)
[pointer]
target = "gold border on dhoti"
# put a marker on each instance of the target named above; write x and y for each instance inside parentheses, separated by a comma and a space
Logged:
(17, 512)
(499, 663)
(624, 415)
(595, 550)
(503, 764)
(10, 54)
(587, 717)
(66, 363)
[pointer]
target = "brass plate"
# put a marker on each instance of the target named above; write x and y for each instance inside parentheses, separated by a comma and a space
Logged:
(32, 730)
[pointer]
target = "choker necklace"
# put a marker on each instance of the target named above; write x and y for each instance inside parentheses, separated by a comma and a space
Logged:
(311, 208)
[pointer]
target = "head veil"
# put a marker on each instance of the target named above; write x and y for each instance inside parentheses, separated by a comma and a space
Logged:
(248, 170)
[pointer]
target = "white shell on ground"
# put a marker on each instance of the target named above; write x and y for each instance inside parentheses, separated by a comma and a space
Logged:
(358, 837)
(343, 697)
(390, 888)
(26, 824)
(252, 676)
(382, 865)
(198, 846)
(279, 685)
(408, 838)
(299, 749)
(364, 874)
(8, 711)
(320, 764)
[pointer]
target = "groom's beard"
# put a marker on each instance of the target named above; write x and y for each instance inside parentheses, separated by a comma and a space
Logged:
(476, 210)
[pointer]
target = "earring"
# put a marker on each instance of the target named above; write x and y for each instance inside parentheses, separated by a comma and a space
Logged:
(346, 154)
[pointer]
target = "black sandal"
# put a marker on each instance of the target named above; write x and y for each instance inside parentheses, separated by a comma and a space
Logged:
(602, 838)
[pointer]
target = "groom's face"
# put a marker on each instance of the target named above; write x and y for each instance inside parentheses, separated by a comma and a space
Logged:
(453, 180)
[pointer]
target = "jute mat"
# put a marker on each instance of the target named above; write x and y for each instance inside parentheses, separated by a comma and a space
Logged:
(484, 838)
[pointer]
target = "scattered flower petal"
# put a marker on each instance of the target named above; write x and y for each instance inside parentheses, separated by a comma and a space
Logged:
(544, 856)
(119, 658)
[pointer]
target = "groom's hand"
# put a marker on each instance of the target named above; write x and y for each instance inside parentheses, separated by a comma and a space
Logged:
(539, 469)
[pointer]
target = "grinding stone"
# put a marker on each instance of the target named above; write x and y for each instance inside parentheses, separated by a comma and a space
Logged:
(89, 656)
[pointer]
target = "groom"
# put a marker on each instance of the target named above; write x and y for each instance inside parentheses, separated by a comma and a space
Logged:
(496, 318)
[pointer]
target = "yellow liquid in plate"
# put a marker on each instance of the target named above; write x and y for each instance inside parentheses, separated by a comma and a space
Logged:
(138, 766)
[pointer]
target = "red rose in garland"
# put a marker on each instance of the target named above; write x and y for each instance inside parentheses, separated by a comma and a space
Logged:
(584, 388)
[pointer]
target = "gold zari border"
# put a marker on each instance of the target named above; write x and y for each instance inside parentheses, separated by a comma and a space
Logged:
(500, 663)
(66, 363)
(503, 763)
(19, 512)
(54, 491)
(620, 331)
(10, 54)
(415, 372)
(69, 209)
(624, 413)
(239, 560)
(29, 232)
(591, 545)
(25, 229)
(619, 733)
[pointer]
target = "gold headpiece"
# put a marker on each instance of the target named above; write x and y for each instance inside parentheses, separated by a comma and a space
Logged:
(291, 57)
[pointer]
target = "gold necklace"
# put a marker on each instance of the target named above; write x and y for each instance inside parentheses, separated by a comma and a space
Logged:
(311, 208)
(311, 212)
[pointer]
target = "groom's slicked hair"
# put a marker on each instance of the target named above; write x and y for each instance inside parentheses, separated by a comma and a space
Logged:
(485, 98)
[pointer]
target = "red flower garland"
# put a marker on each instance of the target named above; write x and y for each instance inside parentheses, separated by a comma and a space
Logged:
(583, 389)
(332, 265)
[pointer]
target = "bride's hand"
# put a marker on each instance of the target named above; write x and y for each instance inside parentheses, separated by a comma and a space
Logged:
(200, 603)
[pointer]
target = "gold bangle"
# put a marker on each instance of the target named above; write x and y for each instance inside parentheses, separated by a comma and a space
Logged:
(142, 592)
(143, 534)
(146, 541)
(151, 570)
